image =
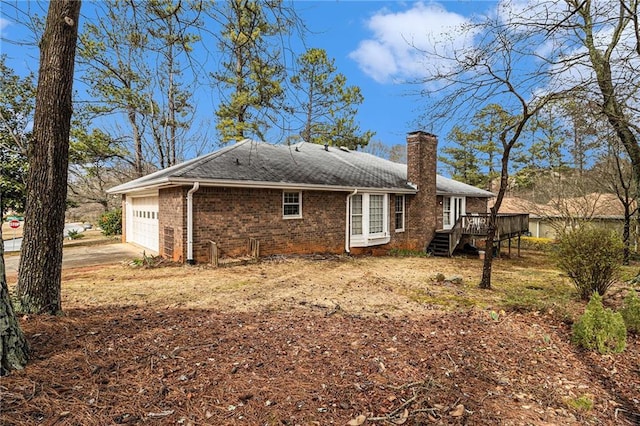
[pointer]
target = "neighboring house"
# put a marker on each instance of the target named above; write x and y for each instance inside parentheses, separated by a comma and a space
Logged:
(296, 199)
(546, 219)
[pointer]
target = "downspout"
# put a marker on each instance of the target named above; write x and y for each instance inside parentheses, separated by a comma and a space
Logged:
(347, 230)
(196, 186)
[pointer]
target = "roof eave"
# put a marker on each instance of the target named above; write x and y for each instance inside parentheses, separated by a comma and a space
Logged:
(467, 194)
(167, 182)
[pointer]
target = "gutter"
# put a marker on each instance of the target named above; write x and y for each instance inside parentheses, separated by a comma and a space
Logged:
(347, 229)
(169, 182)
(196, 186)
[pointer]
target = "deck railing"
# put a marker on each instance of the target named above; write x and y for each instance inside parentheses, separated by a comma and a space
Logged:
(507, 224)
(456, 235)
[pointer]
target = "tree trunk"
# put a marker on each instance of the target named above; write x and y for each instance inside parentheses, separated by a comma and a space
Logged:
(485, 282)
(612, 107)
(626, 234)
(39, 278)
(137, 141)
(14, 351)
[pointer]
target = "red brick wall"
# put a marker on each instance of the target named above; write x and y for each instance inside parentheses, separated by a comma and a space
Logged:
(421, 171)
(476, 205)
(172, 215)
(231, 216)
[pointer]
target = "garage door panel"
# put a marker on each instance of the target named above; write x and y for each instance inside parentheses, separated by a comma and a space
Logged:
(144, 222)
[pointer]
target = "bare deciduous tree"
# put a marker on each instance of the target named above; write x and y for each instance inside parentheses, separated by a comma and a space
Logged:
(491, 72)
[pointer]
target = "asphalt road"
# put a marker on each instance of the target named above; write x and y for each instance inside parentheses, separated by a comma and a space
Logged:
(90, 255)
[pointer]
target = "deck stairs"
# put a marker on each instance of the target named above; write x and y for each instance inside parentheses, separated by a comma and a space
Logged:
(439, 246)
(476, 225)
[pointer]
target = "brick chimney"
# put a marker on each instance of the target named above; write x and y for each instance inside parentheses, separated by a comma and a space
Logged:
(422, 149)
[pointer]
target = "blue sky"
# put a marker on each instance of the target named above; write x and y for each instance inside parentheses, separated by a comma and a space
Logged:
(371, 42)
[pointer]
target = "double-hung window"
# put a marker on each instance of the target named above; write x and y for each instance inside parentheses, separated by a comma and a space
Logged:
(356, 215)
(399, 213)
(292, 205)
(369, 220)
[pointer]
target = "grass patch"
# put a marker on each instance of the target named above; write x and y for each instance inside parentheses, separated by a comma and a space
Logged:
(363, 285)
(538, 298)
(443, 299)
(408, 253)
(582, 403)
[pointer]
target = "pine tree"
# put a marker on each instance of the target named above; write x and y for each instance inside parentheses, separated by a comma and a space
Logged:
(251, 74)
(39, 280)
(327, 105)
(16, 113)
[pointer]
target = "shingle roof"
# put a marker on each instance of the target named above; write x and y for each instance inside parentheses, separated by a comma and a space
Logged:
(590, 206)
(249, 163)
(446, 186)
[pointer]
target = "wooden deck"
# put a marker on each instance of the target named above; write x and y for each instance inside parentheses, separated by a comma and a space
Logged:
(477, 225)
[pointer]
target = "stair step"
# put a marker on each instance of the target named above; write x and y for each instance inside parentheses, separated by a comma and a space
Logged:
(439, 245)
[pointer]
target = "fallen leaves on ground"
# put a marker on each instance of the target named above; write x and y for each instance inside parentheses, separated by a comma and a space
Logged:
(132, 365)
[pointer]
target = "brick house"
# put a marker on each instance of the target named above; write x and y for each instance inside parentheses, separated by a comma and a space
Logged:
(303, 198)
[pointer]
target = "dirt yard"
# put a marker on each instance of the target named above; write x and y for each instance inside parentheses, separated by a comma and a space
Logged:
(319, 341)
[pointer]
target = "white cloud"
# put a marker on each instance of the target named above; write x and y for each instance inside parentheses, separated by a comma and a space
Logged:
(401, 40)
(4, 23)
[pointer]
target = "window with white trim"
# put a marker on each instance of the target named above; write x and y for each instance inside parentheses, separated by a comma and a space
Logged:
(369, 220)
(356, 215)
(376, 214)
(292, 205)
(399, 213)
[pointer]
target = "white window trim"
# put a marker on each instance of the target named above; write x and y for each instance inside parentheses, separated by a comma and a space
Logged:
(404, 212)
(449, 215)
(291, 216)
(367, 239)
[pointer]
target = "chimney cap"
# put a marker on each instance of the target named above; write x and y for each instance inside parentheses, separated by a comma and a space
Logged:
(420, 132)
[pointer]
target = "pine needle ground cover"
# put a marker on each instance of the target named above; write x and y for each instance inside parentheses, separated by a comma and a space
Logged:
(319, 340)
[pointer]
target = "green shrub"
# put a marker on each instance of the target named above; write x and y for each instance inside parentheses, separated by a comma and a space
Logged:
(591, 257)
(74, 234)
(631, 312)
(599, 328)
(111, 222)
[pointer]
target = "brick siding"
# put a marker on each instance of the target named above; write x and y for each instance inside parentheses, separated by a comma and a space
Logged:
(421, 171)
(231, 216)
(476, 205)
(172, 220)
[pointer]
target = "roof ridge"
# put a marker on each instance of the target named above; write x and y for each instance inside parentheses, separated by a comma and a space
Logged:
(195, 162)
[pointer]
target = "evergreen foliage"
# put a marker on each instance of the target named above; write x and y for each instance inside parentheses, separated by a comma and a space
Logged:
(631, 312)
(111, 222)
(591, 257)
(327, 104)
(475, 152)
(17, 103)
(133, 58)
(251, 72)
(600, 329)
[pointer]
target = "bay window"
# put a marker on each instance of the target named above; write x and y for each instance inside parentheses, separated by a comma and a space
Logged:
(369, 220)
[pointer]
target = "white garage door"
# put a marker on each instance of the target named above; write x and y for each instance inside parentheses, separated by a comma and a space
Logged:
(143, 213)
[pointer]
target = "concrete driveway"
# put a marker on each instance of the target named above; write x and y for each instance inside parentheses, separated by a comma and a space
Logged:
(89, 255)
